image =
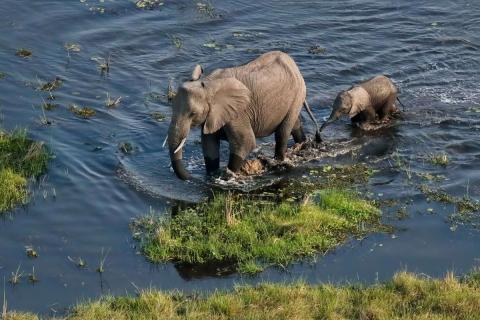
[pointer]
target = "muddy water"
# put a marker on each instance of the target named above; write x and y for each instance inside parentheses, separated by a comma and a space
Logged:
(92, 190)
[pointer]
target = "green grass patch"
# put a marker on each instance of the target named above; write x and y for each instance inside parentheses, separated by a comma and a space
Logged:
(14, 189)
(406, 296)
(251, 234)
(20, 159)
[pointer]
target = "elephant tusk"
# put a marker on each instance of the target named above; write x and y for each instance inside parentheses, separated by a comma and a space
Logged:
(165, 142)
(180, 146)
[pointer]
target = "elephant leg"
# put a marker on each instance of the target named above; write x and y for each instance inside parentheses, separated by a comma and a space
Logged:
(211, 151)
(297, 132)
(369, 116)
(242, 141)
(281, 136)
(389, 107)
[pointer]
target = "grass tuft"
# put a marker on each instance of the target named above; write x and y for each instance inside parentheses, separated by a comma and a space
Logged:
(406, 296)
(440, 159)
(252, 235)
(20, 159)
(14, 189)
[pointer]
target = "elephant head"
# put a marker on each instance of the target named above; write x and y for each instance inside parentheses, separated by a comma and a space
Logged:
(210, 103)
(341, 106)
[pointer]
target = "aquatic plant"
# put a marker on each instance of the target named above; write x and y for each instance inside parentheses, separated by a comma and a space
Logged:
(111, 102)
(207, 9)
(82, 112)
(405, 296)
(20, 159)
(16, 276)
(72, 47)
(316, 49)
(467, 210)
(102, 63)
(177, 42)
(52, 85)
(148, 4)
(24, 53)
(252, 235)
(158, 116)
(440, 159)
(126, 147)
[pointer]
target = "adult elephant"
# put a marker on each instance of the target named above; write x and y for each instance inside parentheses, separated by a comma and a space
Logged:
(239, 104)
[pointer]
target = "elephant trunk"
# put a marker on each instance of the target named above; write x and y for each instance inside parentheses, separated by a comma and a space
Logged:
(326, 123)
(177, 135)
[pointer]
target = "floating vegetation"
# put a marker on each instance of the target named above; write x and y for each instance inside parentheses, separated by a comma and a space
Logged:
(475, 109)
(208, 10)
(148, 4)
(316, 49)
(103, 258)
(464, 204)
(440, 159)
(49, 106)
(20, 159)
(72, 47)
(171, 93)
(158, 116)
(153, 96)
(112, 102)
(102, 63)
(177, 42)
(93, 7)
(16, 276)
(79, 262)
(467, 209)
(31, 252)
(52, 85)
(2, 75)
(251, 235)
(32, 277)
(126, 148)
(246, 34)
(24, 53)
(213, 44)
(82, 112)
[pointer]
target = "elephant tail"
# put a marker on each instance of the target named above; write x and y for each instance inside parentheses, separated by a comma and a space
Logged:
(401, 103)
(318, 137)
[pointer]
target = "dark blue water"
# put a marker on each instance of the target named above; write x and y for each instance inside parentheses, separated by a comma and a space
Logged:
(92, 190)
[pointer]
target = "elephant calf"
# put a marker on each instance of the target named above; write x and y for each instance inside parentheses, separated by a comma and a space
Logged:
(366, 101)
(239, 104)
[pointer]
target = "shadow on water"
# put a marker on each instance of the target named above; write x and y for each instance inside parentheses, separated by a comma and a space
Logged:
(84, 205)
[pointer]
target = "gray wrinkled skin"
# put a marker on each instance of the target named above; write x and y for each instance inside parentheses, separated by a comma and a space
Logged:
(239, 104)
(365, 102)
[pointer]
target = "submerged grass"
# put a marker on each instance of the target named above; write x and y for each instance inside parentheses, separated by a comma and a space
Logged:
(20, 159)
(466, 209)
(252, 235)
(406, 296)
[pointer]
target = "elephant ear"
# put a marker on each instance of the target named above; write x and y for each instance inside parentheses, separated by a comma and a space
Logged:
(359, 104)
(197, 73)
(228, 98)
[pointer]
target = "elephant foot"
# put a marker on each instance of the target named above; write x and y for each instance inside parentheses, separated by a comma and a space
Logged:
(212, 165)
(235, 162)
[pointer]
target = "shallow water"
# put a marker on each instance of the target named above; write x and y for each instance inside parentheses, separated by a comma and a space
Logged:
(92, 190)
